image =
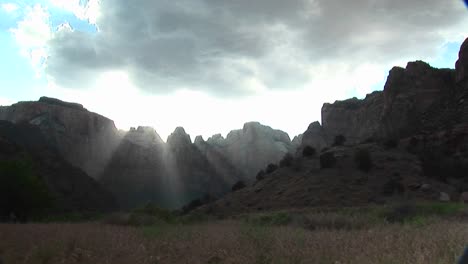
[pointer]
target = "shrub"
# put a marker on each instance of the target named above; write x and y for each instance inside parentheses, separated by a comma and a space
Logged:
(339, 140)
(22, 192)
(271, 168)
(308, 151)
(206, 199)
(287, 161)
(327, 160)
(363, 160)
(390, 143)
(238, 185)
(260, 175)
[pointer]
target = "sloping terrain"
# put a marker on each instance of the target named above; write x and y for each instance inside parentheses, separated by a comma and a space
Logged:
(72, 190)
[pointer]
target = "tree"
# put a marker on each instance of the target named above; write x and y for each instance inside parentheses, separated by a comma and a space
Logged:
(308, 151)
(22, 192)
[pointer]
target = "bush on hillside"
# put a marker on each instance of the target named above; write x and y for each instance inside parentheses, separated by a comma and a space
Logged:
(327, 160)
(363, 160)
(390, 143)
(260, 175)
(238, 185)
(308, 151)
(339, 140)
(271, 168)
(22, 193)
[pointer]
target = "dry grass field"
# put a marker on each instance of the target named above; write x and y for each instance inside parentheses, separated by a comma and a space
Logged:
(275, 238)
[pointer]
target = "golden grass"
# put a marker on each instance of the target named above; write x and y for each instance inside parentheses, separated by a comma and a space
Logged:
(230, 242)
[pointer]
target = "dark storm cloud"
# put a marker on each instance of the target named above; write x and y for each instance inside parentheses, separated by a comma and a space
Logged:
(221, 46)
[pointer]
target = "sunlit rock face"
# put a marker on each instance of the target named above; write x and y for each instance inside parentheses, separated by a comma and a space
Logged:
(252, 148)
(171, 174)
(85, 139)
(137, 173)
(192, 169)
(228, 173)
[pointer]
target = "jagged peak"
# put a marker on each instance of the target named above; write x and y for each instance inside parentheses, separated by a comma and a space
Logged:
(143, 135)
(314, 125)
(199, 140)
(179, 136)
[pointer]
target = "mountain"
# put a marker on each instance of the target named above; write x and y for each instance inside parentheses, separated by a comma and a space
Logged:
(252, 148)
(144, 168)
(407, 142)
(85, 139)
(71, 189)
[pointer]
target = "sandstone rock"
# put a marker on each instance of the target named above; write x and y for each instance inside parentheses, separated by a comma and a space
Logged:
(461, 65)
(85, 139)
(253, 147)
(143, 136)
(355, 119)
(73, 190)
(444, 197)
(314, 137)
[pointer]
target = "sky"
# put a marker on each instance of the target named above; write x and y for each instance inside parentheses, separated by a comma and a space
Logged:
(212, 65)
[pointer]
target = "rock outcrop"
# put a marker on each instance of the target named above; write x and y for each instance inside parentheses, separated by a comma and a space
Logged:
(171, 174)
(411, 101)
(85, 139)
(314, 137)
(253, 147)
(71, 188)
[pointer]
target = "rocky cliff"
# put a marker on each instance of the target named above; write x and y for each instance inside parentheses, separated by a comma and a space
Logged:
(85, 139)
(412, 100)
(252, 148)
(171, 174)
(71, 189)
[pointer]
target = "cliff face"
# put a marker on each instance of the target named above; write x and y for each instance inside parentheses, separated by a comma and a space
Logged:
(252, 148)
(85, 139)
(314, 137)
(398, 111)
(72, 189)
(171, 174)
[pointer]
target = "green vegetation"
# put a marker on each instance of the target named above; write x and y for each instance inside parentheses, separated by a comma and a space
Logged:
(427, 233)
(327, 160)
(23, 194)
(238, 186)
(308, 152)
(271, 168)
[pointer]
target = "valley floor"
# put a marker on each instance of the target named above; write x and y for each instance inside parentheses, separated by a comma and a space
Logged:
(267, 238)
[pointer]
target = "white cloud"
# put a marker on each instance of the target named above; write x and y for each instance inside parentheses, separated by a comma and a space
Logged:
(5, 101)
(32, 34)
(10, 7)
(84, 10)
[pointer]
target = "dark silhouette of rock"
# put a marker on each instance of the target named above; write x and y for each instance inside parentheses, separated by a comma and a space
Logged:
(85, 139)
(72, 189)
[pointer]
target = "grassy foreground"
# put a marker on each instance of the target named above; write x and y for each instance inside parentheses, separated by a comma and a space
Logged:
(330, 237)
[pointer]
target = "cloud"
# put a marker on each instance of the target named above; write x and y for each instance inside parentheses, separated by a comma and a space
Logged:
(237, 48)
(10, 7)
(32, 34)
